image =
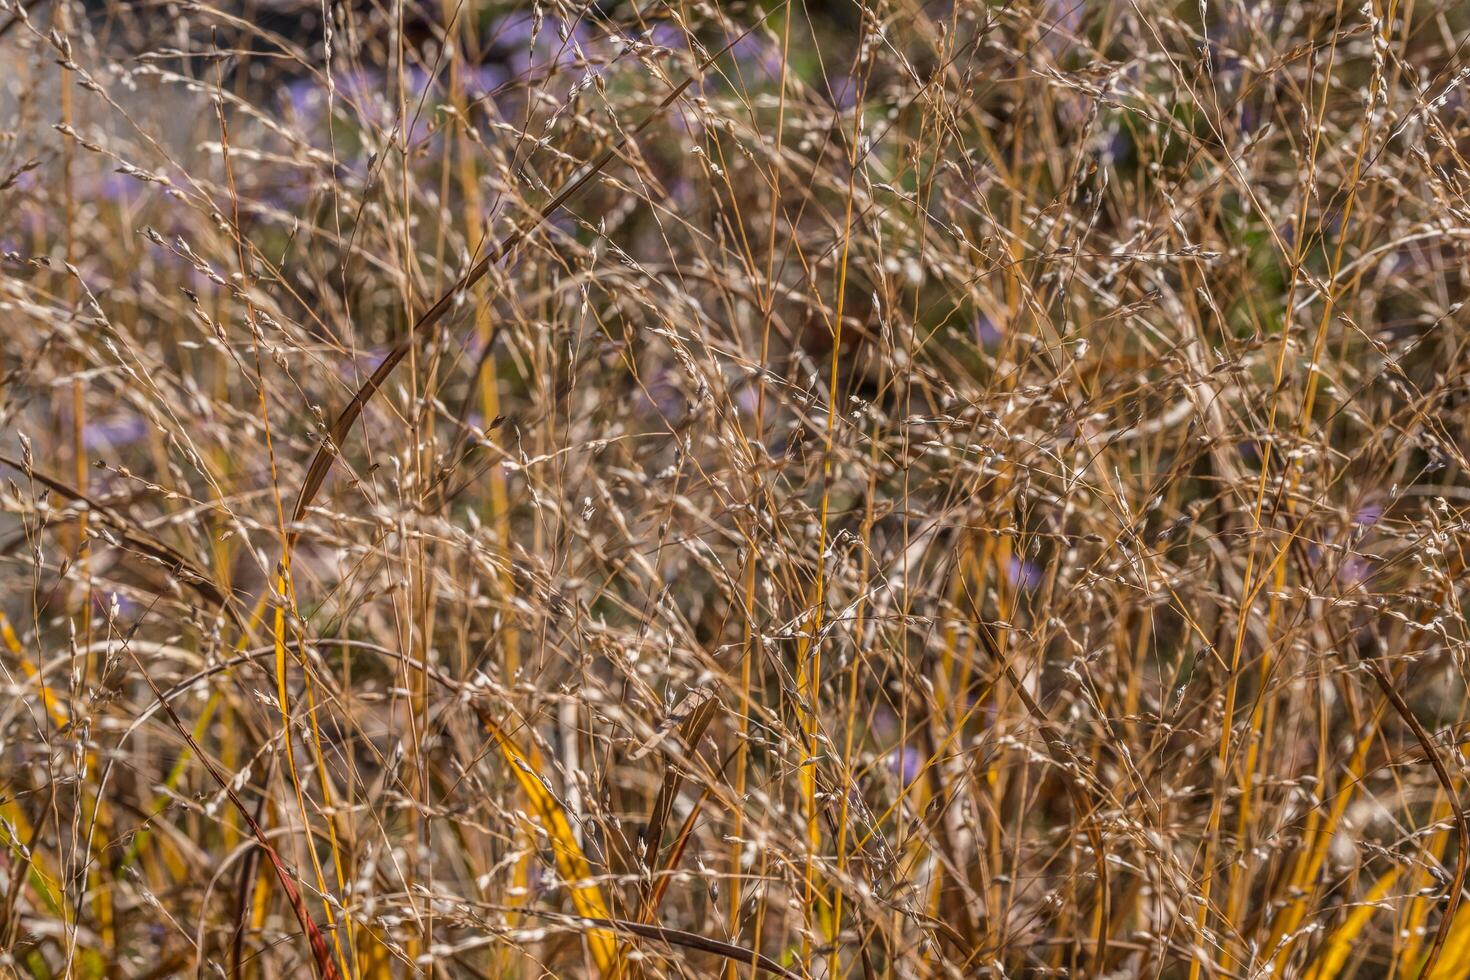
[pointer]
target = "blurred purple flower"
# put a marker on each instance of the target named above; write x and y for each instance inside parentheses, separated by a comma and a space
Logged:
(27, 181)
(290, 190)
(985, 332)
(844, 90)
(473, 346)
(757, 54)
(103, 601)
(667, 35)
(1368, 515)
(555, 46)
(119, 188)
(418, 83)
(368, 94)
(1251, 118)
(1073, 108)
(664, 395)
(1060, 20)
(32, 222)
(535, 879)
(360, 84)
(747, 398)
(364, 363)
(1354, 570)
(691, 123)
(906, 763)
(1118, 147)
(681, 191)
(303, 98)
(1023, 573)
(515, 29)
(482, 80)
(1227, 67)
(114, 431)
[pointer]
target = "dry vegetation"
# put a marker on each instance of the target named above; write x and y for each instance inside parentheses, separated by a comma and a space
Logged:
(718, 489)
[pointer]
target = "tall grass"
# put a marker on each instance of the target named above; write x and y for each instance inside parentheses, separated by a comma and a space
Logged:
(730, 489)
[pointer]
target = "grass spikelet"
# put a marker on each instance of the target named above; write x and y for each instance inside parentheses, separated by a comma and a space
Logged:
(892, 489)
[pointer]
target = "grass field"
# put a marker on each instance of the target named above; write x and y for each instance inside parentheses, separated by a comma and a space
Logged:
(929, 488)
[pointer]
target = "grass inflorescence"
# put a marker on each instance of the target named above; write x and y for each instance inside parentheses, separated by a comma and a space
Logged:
(902, 489)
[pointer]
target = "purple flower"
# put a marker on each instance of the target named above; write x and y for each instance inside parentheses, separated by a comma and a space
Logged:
(557, 44)
(361, 84)
(27, 182)
(1023, 573)
(681, 192)
(1354, 570)
(985, 332)
(1251, 118)
(844, 90)
(667, 35)
(1115, 148)
(1228, 68)
(368, 94)
(691, 123)
(1060, 21)
(514, 30)
(480, 81)
(906, 763)
(535, 879)
(363, 364)
(757, 54)
(114, 431)
(27, 222)
(103, 602)
(747, 399)
(664, 396)
(1368, 515)
(119, 188)
(359, 91)
(303, 98)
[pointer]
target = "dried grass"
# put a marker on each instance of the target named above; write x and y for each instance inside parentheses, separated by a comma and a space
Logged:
(904, 490)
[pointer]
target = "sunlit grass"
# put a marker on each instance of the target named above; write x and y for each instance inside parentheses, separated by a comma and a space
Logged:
(916, 490)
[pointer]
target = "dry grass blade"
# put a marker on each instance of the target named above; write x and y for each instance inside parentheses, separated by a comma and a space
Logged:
(1339, 946)
(912, 489)
(570, 861)
(688, 940)
(131, 536)
(321, 954)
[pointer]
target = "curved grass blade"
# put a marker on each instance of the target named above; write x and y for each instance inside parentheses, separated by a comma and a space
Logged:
(192, 575)
(571, 863)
